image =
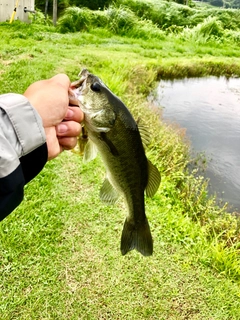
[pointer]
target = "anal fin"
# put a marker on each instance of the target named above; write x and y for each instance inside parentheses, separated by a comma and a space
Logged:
(108, 193)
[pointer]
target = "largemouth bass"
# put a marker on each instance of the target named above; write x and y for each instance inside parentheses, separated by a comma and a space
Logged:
(113, 132)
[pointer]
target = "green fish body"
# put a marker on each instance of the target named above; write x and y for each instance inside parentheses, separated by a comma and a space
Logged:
(114, 133)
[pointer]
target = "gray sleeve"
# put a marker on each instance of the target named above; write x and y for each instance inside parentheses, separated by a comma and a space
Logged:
(21, 131)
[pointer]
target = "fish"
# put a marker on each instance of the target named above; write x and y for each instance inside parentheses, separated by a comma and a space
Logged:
(116, 136)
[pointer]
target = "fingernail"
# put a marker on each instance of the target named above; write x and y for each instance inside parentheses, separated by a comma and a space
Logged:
(62, 128)
(69, 114)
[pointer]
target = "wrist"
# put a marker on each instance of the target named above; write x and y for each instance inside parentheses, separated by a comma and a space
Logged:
(25, 120)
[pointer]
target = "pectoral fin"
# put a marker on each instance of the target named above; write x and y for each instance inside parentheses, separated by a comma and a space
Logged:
(108, 193)
(90, 152)
(154, 179)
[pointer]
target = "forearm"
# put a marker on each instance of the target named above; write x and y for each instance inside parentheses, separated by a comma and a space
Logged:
(23, 150)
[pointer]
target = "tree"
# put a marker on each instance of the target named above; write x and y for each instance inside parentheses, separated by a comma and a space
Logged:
(54, 12)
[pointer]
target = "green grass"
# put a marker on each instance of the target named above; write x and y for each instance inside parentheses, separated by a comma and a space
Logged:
(170, 15)
(62, 258)
(59, 250)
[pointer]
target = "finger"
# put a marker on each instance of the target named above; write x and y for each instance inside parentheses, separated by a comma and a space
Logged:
(53, 145)
(67, 143)
(68, 129)
(74, 114)
(61, 79)
(73, 100)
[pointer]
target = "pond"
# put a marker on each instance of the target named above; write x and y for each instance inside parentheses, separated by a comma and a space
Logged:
(209, 109)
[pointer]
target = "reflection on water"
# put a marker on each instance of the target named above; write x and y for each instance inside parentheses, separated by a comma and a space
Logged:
(209, 108)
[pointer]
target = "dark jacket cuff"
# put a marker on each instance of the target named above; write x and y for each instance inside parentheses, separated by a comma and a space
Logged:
(33, 162)
(12, 186)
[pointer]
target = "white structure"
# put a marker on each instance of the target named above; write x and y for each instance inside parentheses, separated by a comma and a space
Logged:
(7, 8)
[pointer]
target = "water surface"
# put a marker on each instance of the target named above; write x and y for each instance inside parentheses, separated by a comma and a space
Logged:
(209, 108)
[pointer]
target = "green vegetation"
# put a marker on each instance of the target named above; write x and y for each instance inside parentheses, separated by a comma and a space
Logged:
(91, 4)
(59, 250)
(167, 13)
(124, 16)
(101, 4)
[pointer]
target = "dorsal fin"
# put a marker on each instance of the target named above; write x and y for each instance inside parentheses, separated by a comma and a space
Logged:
(143, 130)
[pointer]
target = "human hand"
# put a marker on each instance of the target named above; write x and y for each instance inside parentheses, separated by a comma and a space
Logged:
(61, 121)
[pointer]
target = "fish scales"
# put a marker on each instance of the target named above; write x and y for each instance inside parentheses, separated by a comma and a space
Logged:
(114, 133)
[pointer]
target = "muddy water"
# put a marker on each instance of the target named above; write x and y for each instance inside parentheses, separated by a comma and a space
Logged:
(209, 109)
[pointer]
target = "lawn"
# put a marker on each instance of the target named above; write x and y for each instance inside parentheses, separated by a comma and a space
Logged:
(59, 250)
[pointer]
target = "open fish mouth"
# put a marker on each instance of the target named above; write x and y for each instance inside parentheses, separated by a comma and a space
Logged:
(77, 87)
(78, 84)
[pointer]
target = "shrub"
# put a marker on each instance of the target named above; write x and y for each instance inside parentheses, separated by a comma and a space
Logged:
(39, 18)
(120, 19)
(75, 19)
(145, 29)
(168, 13)
(209, 29)
(233, 36)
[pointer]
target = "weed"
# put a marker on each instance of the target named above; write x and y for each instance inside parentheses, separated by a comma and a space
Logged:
(59, 250)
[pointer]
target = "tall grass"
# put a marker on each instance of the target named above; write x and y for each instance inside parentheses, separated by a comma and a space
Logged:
(168, 13)
(142, 20)
(118, 20)
(76, 19)
(122, 21)
(210, 29)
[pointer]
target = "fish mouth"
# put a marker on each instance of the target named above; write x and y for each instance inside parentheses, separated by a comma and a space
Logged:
(79, 83)
(77, 87)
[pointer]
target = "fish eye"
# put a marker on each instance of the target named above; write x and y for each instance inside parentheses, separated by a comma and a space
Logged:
(95, 87)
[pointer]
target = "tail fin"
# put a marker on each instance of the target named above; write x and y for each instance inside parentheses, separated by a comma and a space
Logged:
(136, 236)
